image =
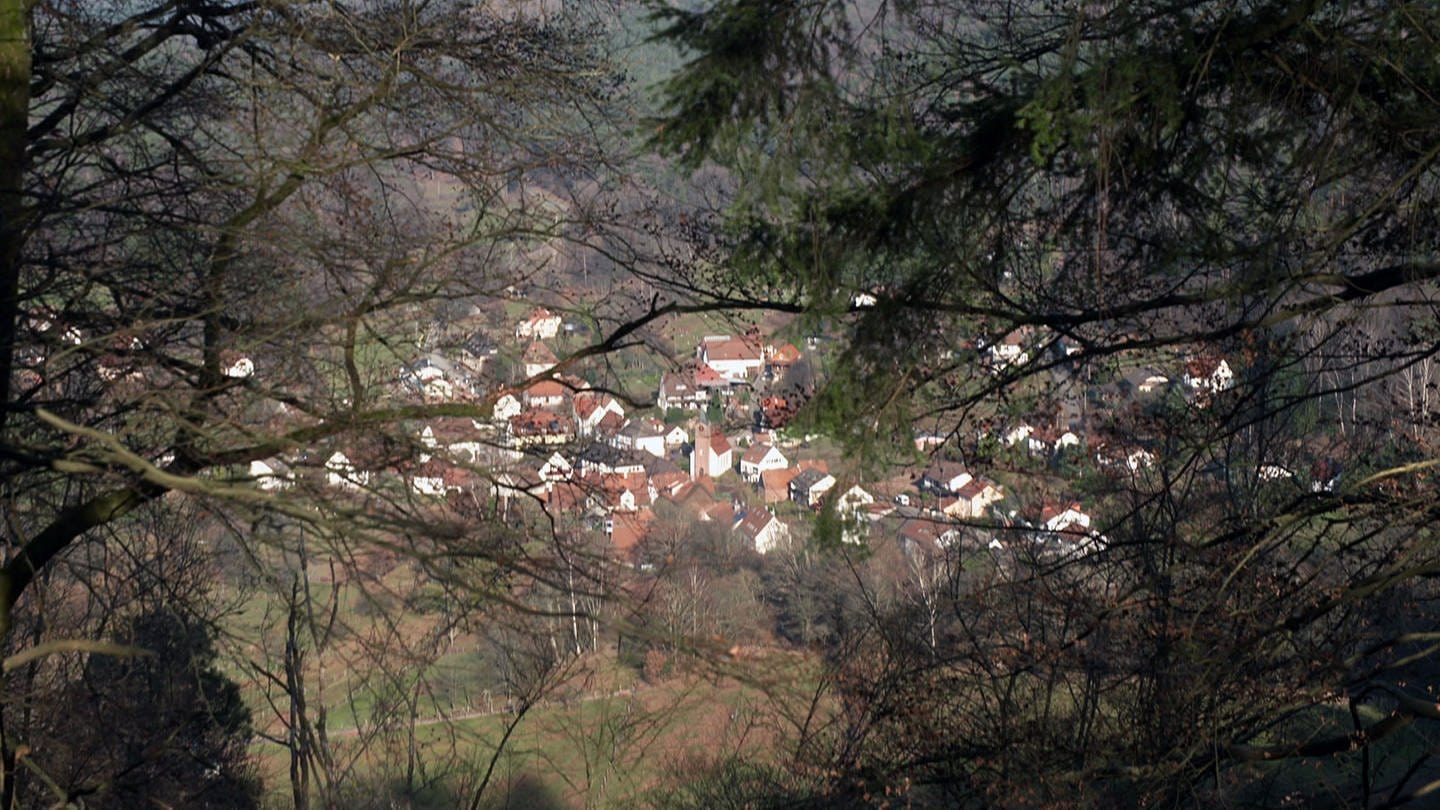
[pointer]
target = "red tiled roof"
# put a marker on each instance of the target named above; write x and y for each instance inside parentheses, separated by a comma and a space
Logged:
(754, 523)
(537, 421)
(926, 531)
(720, 512)
(706, 377)
(669, 482)
(547, 388)
(719, 444)
(972, 489)
(1054, 510)
(1202, 366)
(785, 355)
(777, 483)
(587, 403)
(629, 529)
(732, 349)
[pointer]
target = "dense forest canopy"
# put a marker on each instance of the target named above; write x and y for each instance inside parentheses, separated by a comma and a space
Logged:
(266, 264)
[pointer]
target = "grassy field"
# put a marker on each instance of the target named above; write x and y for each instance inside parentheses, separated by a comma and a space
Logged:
(605, 750)
(420, 731)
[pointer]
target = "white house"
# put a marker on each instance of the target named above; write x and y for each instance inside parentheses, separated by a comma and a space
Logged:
(1019, 433)
(240, 369)
(680, 390)
(556, 468)
(1209, 374)
(271, 475)
(810, 486)
(340, 472)
(1069, 518)
(758, 459)
(542, 324)
(645, 435)
(591, 409)
(507, 406)
(1010, 350)
(548, 394)
(851, 505)
(429, 442)
(1272, 472)
(943, 477)
(1047, 441)
(468, 450)
(853, 499)
(675, 437)
(1139, 458)
(1069, 531)
(538, 359)
(428, 479)
(736, 359)
(763, 530)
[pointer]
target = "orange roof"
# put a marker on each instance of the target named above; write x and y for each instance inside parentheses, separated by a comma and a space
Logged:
(1053, 510)
(612, 485)
(546, 388)
(697, 497)
(587, 403)
(1203, 366)
(707, 377)
(720, 512)
(566, 496)
(731, 349)
(719, 444)
(754, 523)
(669, 482)
(972, 488)
(785, 355)
(777, 483)
(629, 529)
(536, 421)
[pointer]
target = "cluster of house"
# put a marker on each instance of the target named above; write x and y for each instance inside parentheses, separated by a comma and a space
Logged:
(721, 364)
(580, 452)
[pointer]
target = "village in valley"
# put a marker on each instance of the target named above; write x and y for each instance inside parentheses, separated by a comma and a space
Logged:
(713, 445)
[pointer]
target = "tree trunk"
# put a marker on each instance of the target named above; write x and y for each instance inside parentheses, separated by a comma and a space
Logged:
(14, 121)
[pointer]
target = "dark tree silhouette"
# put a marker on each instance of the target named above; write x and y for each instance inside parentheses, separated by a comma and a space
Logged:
(161, 729)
